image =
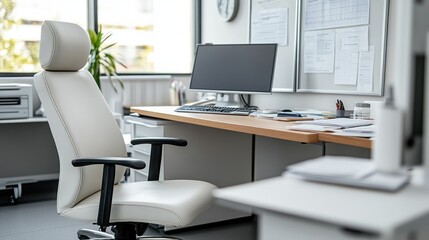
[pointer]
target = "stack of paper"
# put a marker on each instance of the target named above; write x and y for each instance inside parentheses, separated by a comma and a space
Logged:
(332, 125)
(263, 115)
(364, 131)
(349, 171)
(313, 128)
(341, 122)
(333, 166)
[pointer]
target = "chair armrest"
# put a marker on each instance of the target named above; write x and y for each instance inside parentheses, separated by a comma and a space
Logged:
(121, 161)
(156, 152)
(106, 195)
(160, 140)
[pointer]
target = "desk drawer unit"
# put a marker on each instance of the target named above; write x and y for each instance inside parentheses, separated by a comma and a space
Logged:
(144, 127)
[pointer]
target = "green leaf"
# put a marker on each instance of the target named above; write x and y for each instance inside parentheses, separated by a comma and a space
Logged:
(100, 59)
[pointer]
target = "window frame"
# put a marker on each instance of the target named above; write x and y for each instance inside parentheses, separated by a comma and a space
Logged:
(92, 23)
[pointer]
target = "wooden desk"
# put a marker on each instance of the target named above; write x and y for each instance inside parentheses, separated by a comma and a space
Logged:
(250, 125)
(351, 141)
(228, 150)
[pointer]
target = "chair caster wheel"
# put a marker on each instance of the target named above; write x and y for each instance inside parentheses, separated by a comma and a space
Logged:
(12, 199)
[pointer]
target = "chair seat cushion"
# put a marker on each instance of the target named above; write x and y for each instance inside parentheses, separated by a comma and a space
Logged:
(170, 203)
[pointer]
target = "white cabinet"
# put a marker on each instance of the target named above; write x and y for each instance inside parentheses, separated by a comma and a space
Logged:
(291, 208)
(28, 154)
(145, 127)
(223, 158)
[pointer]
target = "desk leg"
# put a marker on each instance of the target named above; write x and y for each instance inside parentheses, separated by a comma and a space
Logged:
(253, 156)
(323, 148)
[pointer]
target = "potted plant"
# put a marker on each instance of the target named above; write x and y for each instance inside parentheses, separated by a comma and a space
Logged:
(99, 59)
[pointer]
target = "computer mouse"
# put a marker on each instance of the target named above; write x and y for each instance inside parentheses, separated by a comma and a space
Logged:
(286, 110)
(269, 111)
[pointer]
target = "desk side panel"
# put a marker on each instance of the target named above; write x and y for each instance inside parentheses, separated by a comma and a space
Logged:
(221, 157)
(337, 149)
(273, 155)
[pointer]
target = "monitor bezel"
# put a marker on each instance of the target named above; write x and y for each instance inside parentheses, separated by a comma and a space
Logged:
(235, 91)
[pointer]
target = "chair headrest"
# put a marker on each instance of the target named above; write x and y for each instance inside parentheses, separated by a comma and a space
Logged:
(63, 46)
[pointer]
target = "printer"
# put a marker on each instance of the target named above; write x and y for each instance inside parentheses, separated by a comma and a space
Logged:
(16, 100)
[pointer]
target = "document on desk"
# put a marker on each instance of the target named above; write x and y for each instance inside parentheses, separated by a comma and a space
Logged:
(340, 122)
(312, 128)
(259, 114)
(364, 131)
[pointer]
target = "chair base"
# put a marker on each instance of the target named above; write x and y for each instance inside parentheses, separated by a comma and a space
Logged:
(94, 234)
(158, 238)
(91, 234)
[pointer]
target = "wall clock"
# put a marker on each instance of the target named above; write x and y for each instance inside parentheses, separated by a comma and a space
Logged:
(227, 9)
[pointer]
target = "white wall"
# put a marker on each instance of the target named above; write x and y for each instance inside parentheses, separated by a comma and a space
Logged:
(215, 30)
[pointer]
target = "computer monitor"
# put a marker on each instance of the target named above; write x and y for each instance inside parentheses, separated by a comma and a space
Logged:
(234, 69)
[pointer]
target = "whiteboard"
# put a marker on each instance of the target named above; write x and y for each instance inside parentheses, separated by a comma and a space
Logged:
(275, 21)
(336, 70)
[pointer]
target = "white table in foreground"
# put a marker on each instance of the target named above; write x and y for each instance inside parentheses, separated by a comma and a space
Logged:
(294, 209)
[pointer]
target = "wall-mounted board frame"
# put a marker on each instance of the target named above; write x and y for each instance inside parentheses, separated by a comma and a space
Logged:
(342, 46)
(275, 21)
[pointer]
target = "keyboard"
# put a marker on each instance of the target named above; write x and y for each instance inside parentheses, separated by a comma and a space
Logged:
(215, 109)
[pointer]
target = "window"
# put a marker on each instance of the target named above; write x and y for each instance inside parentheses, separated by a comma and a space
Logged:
(151, 36)
(20, 22)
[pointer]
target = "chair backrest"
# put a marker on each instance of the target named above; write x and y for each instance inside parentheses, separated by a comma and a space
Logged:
(79, 118)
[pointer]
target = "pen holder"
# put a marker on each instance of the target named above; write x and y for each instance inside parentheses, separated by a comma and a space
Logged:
(343, 113)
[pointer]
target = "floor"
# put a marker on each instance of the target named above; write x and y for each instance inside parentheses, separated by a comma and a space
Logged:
(34, 217)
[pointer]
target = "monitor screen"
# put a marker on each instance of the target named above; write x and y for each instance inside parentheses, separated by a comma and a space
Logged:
(234, 68)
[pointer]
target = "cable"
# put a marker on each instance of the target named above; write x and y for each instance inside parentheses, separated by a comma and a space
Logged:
(245, 103)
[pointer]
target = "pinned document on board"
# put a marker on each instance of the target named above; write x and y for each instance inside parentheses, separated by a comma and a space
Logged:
(366, 70)
(348, 43)
(321, 14)
(319, 51)
(269, 22)
(353, 39)
(270, 26)
(346, 68)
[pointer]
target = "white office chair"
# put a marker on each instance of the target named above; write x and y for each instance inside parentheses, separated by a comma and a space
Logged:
(91, 149)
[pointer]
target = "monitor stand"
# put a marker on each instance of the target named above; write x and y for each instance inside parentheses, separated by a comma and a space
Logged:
(228, 100)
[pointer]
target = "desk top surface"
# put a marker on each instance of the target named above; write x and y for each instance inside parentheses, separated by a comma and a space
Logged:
(250, 125)
(244, 124)
(345, 206)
